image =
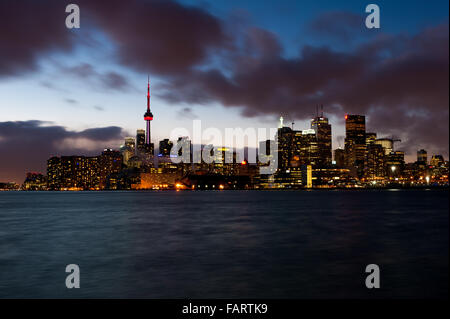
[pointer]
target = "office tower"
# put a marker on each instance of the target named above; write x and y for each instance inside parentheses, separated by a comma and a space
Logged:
(370, 138)
(339, 158)
(285, 146)
(323, 134)
(165, 146)
(130, 142)
(355, 142)
(128, 150)
(224, 161)
(307, 148)
(386, 143)
(140, 141)
(422, 157)
(375, 162)
(296, 148)
(54, 173)
(395, 163)
(437, 160)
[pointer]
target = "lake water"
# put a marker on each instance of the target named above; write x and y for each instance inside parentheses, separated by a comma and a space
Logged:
(225, 244)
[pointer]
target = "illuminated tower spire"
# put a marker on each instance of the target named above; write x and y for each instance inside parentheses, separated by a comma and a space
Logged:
(148, 116)
(281, 122)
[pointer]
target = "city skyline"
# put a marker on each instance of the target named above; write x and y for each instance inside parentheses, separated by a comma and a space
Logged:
(146, 144)
(292, 159)
(79, 91)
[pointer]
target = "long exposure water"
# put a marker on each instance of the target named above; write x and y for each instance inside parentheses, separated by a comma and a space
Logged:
(224, 244)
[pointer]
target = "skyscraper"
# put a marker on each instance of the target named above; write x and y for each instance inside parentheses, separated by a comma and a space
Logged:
(54, 173)
(355, 142)
(395, 163)
(308, 151)
(339, 158)
(284, 140)
(323, 135)
(165, 146)
(422, 157)
(375, 162)
(140, 141)
(128, 150)
(386, 143)
(437, 160)
(370, 138)
(109, 163)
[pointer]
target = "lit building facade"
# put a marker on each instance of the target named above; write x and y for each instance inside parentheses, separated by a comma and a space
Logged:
(323, 134)
(355, 142)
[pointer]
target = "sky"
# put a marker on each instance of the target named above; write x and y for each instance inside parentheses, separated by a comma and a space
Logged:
(234, 63)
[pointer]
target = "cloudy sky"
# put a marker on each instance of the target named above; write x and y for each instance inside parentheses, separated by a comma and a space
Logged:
(233, 63)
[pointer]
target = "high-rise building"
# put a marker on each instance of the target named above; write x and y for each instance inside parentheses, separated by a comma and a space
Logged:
(323, 135)
(355, 142)
(54, 173)
(437, 160)
(395, 163)
(370, 138)
(140, 141)
(296, 148)
(130, 142)
(72, 172)
(285, 146)
(128, 150)
(91, 173)
(422, 157)
(387, 144)
(165, 146)
(375, 162)
(109, 163)
(307, 148)
(339, 158)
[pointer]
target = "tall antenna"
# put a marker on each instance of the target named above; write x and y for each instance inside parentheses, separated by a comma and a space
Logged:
(321, 114)
(148, 93)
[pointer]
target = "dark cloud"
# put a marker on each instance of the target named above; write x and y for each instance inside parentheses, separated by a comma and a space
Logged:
(187, 113)
(399, 81)
(160, 36)
(30, 29)
(33, 142)
(105, 80)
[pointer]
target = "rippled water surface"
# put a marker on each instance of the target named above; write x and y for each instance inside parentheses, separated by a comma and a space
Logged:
(229, 244)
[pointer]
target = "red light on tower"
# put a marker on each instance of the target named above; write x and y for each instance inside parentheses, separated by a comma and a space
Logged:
(244, 162)
(346, 116)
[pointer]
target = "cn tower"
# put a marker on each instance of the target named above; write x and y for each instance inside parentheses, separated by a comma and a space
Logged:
(148, 116)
